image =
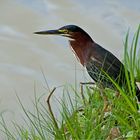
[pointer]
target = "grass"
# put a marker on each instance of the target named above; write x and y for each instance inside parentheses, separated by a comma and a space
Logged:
(83, 116)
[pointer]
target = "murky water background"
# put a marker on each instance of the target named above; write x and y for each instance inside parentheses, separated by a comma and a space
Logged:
(23, 55)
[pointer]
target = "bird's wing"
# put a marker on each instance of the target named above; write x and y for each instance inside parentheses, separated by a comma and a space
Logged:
(108, 62)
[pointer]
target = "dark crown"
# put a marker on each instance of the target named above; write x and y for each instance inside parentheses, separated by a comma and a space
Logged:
(72, 28)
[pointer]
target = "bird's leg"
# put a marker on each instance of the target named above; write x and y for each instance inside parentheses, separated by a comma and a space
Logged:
(105, 109)
(50, 109)
(81, 87)
(105, 100)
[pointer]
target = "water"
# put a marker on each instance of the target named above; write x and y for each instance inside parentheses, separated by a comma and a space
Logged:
(24, 55)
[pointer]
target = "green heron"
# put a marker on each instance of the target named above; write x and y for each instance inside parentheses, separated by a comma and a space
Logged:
(100, 63)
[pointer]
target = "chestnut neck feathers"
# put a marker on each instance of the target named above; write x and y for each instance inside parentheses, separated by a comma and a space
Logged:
(82, 44)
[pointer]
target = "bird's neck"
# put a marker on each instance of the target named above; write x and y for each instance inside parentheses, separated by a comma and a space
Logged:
(82, 48)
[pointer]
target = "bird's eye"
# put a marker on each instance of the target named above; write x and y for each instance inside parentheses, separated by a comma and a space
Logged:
(64, 31)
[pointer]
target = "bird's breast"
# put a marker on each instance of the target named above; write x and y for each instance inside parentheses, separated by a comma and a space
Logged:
(82, 49)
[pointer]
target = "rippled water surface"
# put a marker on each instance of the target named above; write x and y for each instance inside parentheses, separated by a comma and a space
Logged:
(23, 55)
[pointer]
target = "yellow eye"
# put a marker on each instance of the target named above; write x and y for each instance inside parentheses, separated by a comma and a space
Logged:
(65, 31)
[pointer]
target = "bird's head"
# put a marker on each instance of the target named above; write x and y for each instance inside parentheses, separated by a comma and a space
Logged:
(80, 41)
(70, 31)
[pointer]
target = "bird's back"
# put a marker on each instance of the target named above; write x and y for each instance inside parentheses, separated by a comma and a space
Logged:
(103, 63)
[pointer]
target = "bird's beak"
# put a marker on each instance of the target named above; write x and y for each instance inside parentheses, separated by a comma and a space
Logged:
(49, 32)
(54, 32)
